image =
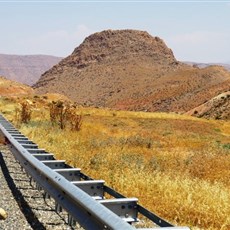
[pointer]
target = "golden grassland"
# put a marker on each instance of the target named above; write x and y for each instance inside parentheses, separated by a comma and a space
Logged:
(178, 166)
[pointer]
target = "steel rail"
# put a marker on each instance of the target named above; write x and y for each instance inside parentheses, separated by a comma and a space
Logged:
(86, 210)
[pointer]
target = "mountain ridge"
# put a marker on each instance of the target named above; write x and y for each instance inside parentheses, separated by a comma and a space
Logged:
(203, 65)
(25, 68)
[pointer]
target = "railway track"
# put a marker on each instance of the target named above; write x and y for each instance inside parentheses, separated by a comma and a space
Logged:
(85, 202)
(24, 204)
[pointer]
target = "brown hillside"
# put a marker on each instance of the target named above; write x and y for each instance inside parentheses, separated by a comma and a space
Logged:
(11, 88)
(25, 68)
(131, 70)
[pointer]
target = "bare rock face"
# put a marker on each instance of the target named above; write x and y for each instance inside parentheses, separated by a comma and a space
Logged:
(116, 45)
(132, 70)
(119, 45)
(108, 60)
(216, 108)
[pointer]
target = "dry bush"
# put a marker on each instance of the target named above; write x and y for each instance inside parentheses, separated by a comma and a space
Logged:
(53, 112)
(23, 115)
(58, 112)
(17, 116)
(75, 120)
(64, 114)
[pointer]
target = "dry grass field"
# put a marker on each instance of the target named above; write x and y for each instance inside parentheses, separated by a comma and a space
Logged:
(178, 166)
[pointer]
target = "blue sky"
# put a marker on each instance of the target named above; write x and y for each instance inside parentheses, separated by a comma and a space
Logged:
(195, 30)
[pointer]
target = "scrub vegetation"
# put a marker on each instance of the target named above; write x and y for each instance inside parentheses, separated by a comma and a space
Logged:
(177, 166)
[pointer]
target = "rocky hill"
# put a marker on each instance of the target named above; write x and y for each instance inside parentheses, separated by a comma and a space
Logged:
(131, 70)
(26, 69)
(12, 88)
(215, 108)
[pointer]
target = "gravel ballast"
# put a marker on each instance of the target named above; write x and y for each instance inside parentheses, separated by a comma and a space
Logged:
(25, 205)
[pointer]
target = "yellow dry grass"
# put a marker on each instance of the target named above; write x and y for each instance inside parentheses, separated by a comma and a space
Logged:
(178, 166)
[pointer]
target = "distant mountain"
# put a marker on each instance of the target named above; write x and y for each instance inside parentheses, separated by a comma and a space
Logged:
(132, 70)
(25, 68)
(203, 65)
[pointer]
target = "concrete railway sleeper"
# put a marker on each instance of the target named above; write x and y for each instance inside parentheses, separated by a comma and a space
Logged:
(78, 194)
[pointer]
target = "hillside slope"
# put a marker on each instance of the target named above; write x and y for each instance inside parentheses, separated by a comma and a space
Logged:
(131, 70)
(11, 88)
(25, 68)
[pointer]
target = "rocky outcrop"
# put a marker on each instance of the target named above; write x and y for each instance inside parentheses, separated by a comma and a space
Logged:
(216, 108)
(115, 46)
(106, 63)
(132, 70)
